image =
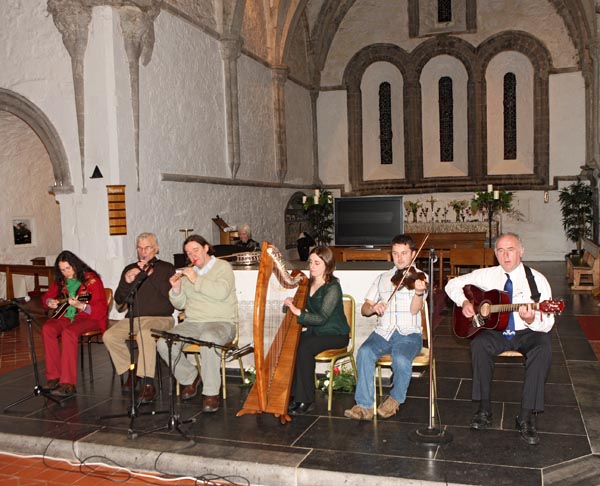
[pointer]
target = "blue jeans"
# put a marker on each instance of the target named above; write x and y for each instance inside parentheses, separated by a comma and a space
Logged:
(403, 350)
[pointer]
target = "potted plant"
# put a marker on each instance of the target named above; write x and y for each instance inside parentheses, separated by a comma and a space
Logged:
(319, 208)
(576, 210)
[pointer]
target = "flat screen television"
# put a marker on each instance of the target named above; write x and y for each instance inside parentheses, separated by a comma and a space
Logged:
(367, 221)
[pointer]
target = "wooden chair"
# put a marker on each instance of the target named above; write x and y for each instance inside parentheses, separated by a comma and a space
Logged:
(195, 350)
(465, 257)
(332, 356)
(94, 336)
(420, 361)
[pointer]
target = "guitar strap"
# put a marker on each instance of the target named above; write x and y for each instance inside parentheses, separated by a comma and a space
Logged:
(535, 294)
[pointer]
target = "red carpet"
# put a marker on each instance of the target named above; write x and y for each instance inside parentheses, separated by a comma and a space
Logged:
(590, 326)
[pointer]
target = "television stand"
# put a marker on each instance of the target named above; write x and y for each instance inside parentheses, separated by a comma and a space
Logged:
(364, 248)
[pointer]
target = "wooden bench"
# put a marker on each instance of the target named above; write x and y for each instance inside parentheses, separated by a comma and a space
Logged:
(583, 272)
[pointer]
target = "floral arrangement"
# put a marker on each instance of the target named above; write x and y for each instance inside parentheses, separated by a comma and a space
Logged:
(459, 205)
(343, 380)
(413, 207)
(495, 201)
(250, 376)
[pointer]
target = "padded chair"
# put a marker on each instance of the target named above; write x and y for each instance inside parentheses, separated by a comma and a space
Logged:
(94, 336)
(332, 356)
(195, 350)
(420, 361)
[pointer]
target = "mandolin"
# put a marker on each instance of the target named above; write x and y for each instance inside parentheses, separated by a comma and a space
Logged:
(492, 308)
(63, 305)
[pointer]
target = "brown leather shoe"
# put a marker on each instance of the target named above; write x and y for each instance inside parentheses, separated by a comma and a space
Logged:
(52, 384)
(210, 403)
(190, 391)
(64, 390)
(147, 394)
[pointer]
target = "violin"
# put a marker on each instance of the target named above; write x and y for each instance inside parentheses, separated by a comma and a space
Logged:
(407, 278)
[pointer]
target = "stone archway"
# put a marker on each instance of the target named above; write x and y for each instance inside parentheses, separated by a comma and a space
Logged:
(28, 112)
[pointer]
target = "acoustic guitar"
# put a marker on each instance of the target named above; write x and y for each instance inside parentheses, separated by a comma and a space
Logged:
(63, 305)
(492, 308)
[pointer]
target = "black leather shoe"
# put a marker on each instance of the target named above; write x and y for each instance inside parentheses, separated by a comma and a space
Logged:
(293, 406)
(302, 408)
(527, 431)
(481, 420)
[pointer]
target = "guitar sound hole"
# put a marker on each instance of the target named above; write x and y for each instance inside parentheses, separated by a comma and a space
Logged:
(484, 310)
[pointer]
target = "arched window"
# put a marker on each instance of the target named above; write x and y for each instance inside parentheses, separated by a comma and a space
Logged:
(510, 116)
(446, 109)
(385, 123)
(444, 11)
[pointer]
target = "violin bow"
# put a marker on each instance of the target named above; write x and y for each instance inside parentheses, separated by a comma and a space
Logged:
(408, 268)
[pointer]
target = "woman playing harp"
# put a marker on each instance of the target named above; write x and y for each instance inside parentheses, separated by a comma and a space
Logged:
(275, 340)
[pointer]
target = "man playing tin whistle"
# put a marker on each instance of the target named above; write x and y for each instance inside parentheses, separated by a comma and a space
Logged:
(151, 309)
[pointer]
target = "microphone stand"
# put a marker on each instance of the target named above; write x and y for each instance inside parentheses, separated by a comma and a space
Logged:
(37, 389)
(432, 435)
(175, 422)
(132, 411)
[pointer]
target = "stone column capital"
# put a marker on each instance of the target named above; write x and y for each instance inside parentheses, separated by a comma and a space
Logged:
(280, 73)
(72, 19)
(230, 48)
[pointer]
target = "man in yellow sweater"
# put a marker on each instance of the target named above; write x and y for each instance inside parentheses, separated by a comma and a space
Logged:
(206, 290)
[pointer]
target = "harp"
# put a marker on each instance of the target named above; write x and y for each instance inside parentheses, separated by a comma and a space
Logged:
(274, 368)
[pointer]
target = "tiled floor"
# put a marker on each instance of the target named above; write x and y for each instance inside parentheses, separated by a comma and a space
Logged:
(21, 470)
(326, 448)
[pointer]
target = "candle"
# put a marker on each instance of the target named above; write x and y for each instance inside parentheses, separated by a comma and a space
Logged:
(316, 199)
(303, 199)
(496, 194)
(490, 188)
(317, 194)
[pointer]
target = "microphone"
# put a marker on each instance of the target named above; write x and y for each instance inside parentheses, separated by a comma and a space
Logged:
(432, 255)
(238, 353)
(17, 300)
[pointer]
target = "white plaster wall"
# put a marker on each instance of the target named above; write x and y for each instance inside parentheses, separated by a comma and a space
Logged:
(434, 70)
(374, 21)
(257, 142)
(567, 123)
(499, 66)
(299, 135)
(376, 74)
(36, 65)
(332, 122)
(22, 152)
(182, 114)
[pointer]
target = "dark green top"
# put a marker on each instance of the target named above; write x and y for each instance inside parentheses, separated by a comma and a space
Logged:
(324, 313)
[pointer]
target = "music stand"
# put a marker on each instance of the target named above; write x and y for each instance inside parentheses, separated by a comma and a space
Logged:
(175, 422)
(38, 390)
(132, 411)
(431, 435)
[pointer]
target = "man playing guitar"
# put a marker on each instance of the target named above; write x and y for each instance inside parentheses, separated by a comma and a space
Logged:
(528, 331)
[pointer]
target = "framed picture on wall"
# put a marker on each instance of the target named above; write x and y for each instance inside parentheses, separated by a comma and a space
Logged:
(23, 231)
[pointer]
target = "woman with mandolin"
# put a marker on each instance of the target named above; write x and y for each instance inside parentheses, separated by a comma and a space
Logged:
(77, 304)
(527, 330)
(396, 297)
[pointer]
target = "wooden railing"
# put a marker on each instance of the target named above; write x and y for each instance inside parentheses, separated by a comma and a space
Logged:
(36, 271)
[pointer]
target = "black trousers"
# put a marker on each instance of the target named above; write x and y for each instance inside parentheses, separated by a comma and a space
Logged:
(303, 388)
(535, 346)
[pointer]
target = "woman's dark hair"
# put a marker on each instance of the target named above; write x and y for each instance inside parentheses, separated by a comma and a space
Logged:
(77, 263)
(325, 254)
(200, 240)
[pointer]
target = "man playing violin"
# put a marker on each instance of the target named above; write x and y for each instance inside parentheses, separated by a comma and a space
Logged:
(396, 297)
(151, 309)
(528, 332)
